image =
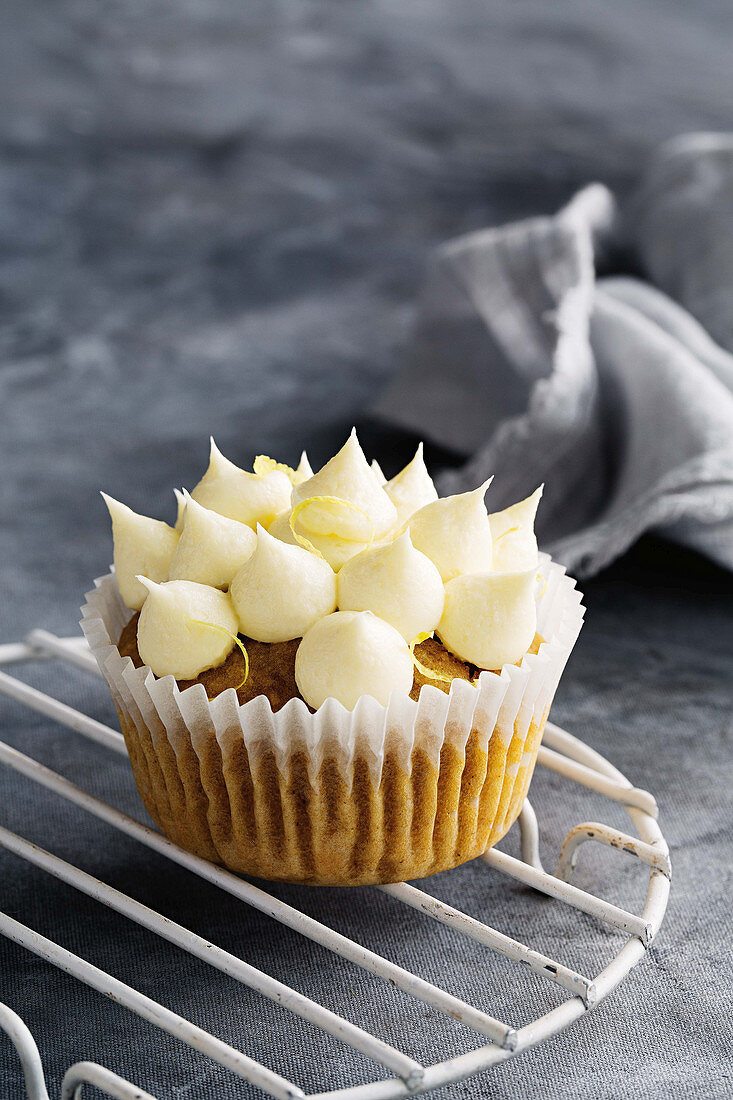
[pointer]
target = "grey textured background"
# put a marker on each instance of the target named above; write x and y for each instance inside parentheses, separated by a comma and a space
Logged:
(215, 217)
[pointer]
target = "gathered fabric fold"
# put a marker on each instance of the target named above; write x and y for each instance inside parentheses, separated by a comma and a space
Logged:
(609, 391)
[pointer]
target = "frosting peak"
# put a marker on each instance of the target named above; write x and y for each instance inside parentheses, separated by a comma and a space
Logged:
(141, 545)
(331, 548)
(303, 470)
(411, 488)
(180, 495)
(347, 476)
(250, 498)
(212, 548)
(454, 532)
(281, 590)
(396, 582)
(379, 472)
(184, 628)
(515, 544)
(490, 619)
(280, 528)
(350, 654)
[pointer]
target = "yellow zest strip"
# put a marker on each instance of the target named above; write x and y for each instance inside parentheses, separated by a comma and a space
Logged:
(540, 577)
(235, 639)
(306, 543)
(428, 673)
(509, 531)
(263, 464)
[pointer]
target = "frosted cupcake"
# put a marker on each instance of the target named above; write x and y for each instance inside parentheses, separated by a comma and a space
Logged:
(330, 677)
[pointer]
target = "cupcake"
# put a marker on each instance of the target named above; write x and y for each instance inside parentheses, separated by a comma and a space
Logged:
(332, 678)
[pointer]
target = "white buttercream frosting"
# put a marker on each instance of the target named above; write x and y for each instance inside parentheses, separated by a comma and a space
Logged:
(180, 508)
(350, 654)
(293, 546)
(332, 549)
(412, 488)
(379, 472)
(346, 477)
(281, 590)
(303, 471)
(280, 528)
(185, 628)
(454, 532)
(397, 583)
(141, 545)
(490, 619)
(515, 544)
(212, 548)
(247, 497)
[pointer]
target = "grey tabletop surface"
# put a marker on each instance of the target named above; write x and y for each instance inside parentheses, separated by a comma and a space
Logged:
(216, 218)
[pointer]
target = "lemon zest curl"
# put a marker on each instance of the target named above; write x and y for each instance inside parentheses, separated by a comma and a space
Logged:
(509, 531)
(235, 639)
(264, 465)
(306, 543)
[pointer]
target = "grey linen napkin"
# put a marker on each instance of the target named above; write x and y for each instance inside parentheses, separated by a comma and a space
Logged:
(612, 392)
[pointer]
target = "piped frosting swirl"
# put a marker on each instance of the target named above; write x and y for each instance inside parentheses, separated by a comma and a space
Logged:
(350, 654)
(141, 545)
(489, 619)
(185, 628)
(212, 548)
(247, 497)
(512, 531)
(412, 488)
(348, 477)
(281, 591)
(454, 533)
(397, 583)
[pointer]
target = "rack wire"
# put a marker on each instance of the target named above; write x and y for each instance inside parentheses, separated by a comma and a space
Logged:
(561, 753)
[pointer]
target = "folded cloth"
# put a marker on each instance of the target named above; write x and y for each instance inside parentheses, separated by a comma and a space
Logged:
(607, 390)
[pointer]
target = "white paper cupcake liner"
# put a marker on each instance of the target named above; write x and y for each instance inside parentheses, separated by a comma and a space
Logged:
(407, 788)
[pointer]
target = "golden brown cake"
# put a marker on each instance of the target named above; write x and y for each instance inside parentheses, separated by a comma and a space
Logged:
(272, 668)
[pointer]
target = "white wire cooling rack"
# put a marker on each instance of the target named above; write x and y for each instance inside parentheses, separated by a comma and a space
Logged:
(561, 753)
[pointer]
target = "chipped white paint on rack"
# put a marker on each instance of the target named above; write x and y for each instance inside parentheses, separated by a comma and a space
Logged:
(561, 753)
(613, 838)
